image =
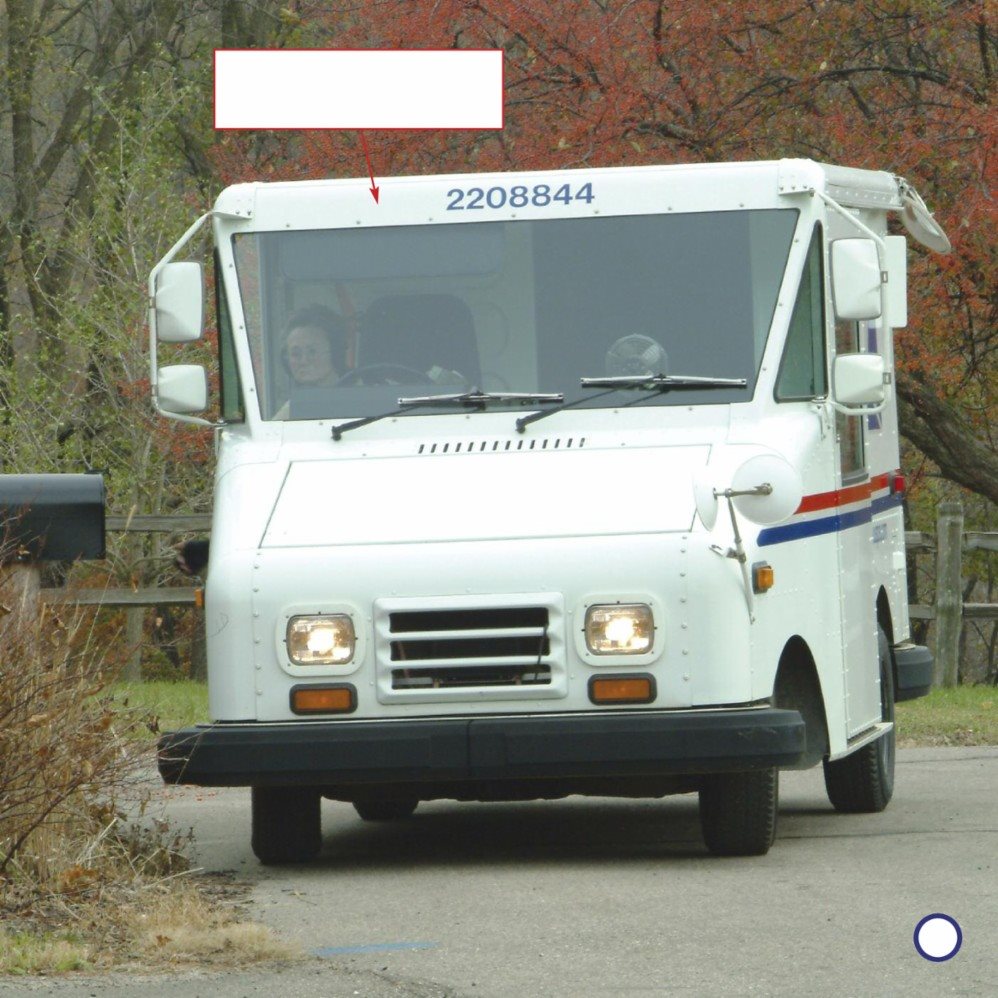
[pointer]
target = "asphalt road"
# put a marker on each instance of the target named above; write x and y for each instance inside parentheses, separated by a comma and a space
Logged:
(618, 897)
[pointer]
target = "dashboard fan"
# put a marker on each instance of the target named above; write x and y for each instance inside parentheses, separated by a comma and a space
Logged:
(636, 355)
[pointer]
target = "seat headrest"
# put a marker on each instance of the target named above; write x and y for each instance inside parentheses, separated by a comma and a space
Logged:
(421, 332)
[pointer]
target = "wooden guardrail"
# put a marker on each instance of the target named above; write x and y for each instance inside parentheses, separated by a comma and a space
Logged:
(949, 610)
(135, 600)
(171, 523)
(149, 596)
(918, 541)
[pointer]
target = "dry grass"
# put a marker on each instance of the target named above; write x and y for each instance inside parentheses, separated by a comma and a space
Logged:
(161, 925)
(180, 926)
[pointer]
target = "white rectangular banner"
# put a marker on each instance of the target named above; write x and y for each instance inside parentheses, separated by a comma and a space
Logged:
(358, 88)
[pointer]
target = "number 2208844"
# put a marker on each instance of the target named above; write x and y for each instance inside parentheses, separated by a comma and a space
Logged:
(517, 196)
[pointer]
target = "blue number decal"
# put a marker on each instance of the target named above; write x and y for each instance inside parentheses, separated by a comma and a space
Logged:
(518, 196)
(539, 195)
(563, 194)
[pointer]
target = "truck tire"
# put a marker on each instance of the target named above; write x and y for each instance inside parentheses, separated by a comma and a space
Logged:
(287, 827)
(385, 810)
(864, 781)
(738, 812)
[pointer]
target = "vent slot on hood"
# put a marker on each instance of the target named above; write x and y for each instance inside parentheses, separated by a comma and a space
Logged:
(507, 446)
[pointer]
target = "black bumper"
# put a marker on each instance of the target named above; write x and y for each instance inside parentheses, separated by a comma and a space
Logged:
(914, 667)
(327, 753)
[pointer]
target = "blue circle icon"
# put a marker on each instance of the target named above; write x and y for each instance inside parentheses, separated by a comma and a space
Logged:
(938, 937)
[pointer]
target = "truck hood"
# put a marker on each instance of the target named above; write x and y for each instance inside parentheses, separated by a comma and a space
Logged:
(466, 497)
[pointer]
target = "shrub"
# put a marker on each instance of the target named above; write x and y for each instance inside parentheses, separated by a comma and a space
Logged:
(65, 760)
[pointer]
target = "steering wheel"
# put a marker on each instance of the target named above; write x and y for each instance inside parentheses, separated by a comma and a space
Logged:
(384, 374)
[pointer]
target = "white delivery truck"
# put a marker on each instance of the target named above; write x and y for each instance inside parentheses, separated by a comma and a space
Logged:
(597, 493)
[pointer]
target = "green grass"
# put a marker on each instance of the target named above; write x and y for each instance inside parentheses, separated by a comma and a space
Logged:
(44, 953)
(963, 715)
(175, 705)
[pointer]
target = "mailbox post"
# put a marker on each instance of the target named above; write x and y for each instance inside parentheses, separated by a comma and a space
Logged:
(45, 518)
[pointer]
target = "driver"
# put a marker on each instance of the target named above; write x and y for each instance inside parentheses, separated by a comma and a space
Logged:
(315, 347)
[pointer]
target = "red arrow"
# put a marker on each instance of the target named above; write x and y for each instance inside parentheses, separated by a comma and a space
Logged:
(375, 190)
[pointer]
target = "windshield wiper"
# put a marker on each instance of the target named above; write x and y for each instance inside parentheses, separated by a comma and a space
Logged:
(475, 399)
(662, 382)
(649, 382)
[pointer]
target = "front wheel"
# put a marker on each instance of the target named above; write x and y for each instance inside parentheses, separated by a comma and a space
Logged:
(864, 781)
(287, 827)
(738, 812)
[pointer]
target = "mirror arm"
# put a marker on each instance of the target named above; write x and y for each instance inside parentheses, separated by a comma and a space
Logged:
(862, 410)
(738, 551)
(194, 420)
(850, 217)
(153, 342)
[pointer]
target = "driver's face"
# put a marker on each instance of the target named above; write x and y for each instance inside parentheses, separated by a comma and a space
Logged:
(310, 356)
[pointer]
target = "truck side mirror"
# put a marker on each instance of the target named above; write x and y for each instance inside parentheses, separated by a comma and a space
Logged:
(897, 281)
(182, 388)
(858, 379)
(179, 303)
(856, 279)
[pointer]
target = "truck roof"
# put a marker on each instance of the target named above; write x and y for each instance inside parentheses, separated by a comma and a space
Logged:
(269, 202)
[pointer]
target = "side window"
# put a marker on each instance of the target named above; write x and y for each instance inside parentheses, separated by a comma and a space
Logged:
(802, 369)
(228, 372)
(849, 429)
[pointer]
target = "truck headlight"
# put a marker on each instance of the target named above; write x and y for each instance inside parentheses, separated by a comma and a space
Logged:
(620, 629)
(322, 640)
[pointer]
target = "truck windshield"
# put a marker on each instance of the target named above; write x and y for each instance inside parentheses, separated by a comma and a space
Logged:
(342, 322)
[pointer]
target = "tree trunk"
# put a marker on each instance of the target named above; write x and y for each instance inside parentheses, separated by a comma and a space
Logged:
(937, 430)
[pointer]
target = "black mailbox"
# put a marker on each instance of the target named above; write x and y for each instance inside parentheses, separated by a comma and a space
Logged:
(52, 517)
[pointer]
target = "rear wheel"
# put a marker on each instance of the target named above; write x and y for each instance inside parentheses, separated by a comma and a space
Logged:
(738, 812)
(287, 827)
(864, 781)
(385, 810)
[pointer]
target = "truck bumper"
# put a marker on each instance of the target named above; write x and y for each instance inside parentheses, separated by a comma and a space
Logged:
(455, 750)
(914, 668)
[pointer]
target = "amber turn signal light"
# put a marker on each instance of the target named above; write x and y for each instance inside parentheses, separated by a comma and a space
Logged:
(762, 577)
(622, 689)
(338, 699)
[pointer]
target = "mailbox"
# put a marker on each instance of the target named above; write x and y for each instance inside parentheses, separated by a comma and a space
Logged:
(54, 517)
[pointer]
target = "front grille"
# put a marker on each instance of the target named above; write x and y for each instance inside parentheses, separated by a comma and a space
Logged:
(463, 647)
(468, 648)
(500, 675)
